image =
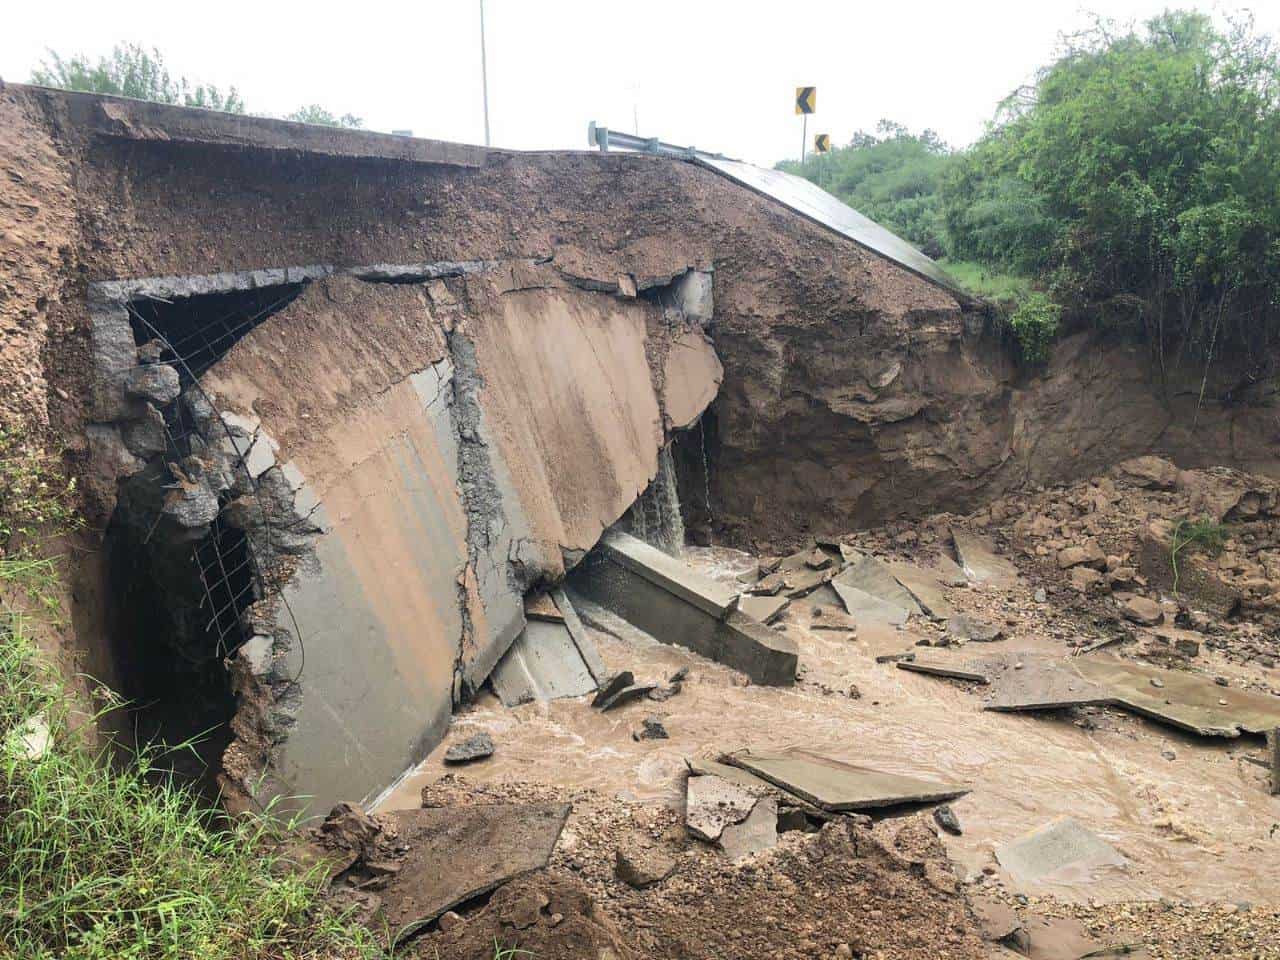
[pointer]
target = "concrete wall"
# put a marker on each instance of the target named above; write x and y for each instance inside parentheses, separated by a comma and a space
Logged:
(452, 443)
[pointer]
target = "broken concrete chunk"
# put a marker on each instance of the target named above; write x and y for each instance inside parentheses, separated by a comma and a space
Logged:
(817, 559)
(476, 747)
(692, 293)
(157, 382)
(1061, 851)
(946, 818)
(874, 577)
(925, 588)
(832, 619)
(833, 785)
(763, 608)
(484, 846)
(617, 682)
(626, 695)
(713, 803)
(756, 833)
(868, 609)
(964, 627)
(660, 693)
(642, 866)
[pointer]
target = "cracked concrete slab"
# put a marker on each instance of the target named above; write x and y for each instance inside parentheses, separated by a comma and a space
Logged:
(1063, 851)
(484, 846)
(834, 785)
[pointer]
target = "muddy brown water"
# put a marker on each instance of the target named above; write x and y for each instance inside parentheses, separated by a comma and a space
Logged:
(1197, 827)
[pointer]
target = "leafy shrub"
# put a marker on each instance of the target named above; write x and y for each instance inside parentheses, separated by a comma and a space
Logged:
(1034, 322)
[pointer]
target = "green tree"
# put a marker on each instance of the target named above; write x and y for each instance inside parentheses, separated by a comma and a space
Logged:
(314, 113)
(131, 71)
(892, 176)
(1139, 177)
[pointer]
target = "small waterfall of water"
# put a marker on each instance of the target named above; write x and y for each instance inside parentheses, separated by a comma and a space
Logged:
(655, 516)
(706, 478)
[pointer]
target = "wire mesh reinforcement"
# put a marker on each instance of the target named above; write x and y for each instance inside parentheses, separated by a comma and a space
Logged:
(229, 567)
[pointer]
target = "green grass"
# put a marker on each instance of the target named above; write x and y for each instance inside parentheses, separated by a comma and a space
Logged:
(103, 858)
(982, 281)
(98, 861)
(1187, 534)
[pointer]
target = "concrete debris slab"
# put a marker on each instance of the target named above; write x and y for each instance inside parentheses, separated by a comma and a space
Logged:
(769, 585)
(978, 670)
(925, 588)
(484, 846)
(850, 554)
(757, 833)
(703, 766)
(874, 577)
(763, 608)
(833, 785)
(799, 583)
(542, 664)
(950, 573)
(817, 559)
(866, 608)
(658, 602)
(1063, 851)
(618, 681)
(1042, 683)
(964, 627)
(979, 561)
(667, 572)
(1189, 701)
(996, 921)
(713, 803)
(476, 747)
(627, 695)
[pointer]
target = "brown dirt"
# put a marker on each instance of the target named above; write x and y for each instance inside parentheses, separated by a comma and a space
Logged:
(853, 392)
(887, 891)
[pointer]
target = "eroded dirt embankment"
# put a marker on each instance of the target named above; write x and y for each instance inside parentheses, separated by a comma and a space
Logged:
(853, 390)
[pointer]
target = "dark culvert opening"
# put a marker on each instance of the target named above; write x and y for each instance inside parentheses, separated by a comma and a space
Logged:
(198, 330)
(176, 594)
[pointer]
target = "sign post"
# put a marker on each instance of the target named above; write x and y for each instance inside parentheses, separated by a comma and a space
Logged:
(806, 103)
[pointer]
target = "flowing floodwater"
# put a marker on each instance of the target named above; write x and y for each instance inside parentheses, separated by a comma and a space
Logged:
(1196, 827)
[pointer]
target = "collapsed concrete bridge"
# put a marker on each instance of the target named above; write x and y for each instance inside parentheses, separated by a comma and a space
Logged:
(340, 400)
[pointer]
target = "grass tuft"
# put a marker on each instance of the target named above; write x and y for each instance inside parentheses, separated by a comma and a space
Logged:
(1203, 533)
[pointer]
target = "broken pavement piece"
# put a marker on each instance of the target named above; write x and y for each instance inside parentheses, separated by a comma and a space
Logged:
(476, 747)
(875, 577)
(925, 588)
(1062, 851)
(766, 609)
(832, 619)
(1043, 683)
(868, 609)
(484, 846)
(1141, 610)
(833, 785)
(979, 670)
(754, 834)
(713, 803)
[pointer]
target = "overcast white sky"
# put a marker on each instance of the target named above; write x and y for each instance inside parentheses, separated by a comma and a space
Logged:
(717, 74)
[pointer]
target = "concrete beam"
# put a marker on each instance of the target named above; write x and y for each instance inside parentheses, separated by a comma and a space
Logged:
(676, 605)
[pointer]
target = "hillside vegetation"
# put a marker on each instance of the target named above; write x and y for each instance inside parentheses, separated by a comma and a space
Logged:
(1135, 182)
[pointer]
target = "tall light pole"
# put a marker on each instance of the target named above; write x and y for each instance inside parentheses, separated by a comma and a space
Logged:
(484, 76)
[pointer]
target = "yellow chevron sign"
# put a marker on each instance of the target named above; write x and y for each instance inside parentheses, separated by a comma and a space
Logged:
(822, 143)
(806, 99)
